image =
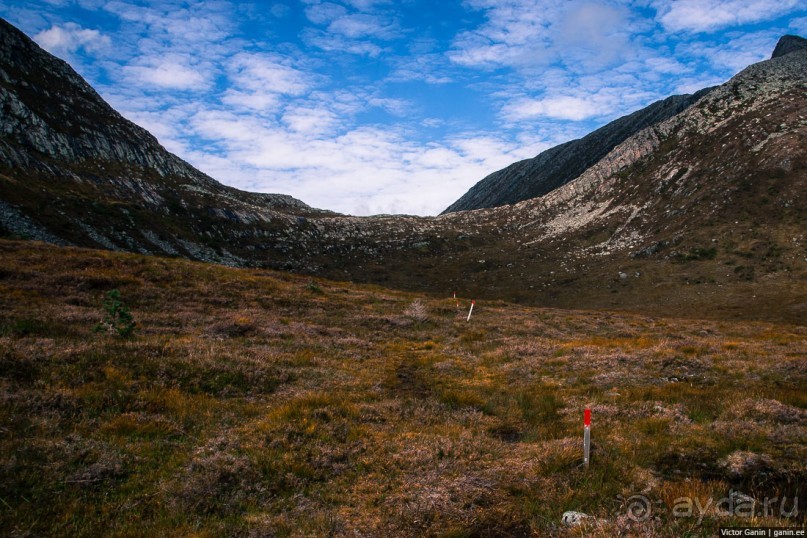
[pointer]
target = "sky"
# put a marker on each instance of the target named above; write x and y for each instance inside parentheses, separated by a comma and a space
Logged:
(383, 106)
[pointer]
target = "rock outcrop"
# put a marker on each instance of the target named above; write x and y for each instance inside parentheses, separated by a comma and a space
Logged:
(51, 115)
(40, 95)
(75, 171)
(558, 166)
(788, 44)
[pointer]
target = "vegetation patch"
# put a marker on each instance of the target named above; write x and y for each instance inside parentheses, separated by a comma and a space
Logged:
(247, 403)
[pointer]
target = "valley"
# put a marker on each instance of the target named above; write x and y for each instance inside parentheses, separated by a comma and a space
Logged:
(182, 358)
(251, 402)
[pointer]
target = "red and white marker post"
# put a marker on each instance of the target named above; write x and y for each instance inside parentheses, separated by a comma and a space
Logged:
(471, 310)
(586, 436)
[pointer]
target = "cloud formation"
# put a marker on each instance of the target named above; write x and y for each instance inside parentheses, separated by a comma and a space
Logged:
(561, 107)
(708, 15)
(356, 27)
(175, 72)
(70, 37)
(376, 106)
(366, 157)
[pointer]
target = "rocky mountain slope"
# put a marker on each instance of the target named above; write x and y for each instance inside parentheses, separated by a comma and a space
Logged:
(788, 44)
(76, 171)
(557, 166)
(702, 213)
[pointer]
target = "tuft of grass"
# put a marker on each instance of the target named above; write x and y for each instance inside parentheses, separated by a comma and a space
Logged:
(313, 287)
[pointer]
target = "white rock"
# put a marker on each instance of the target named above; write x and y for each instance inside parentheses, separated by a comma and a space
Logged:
(573, 519)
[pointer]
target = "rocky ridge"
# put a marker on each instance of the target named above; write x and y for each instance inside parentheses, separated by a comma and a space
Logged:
(758, 88)
(40, 95)
(58, 129)
(705, 207)
(557, 166)
(788, 44)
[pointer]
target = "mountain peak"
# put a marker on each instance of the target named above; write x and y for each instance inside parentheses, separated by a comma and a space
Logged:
(788, 44)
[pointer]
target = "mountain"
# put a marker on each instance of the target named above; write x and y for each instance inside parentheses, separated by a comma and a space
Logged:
(557, 166)
(701, 213)
(252, 402)
(74, 171)
(788, 44)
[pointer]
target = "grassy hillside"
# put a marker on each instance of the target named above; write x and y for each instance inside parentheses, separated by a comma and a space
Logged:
(257, 403)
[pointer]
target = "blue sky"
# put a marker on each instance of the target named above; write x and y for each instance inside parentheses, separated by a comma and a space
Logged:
(382, 106)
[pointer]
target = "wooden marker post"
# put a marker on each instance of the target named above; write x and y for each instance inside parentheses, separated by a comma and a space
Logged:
(586, 436)
(471, 311)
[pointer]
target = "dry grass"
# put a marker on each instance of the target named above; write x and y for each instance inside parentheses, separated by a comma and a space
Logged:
(263, 404)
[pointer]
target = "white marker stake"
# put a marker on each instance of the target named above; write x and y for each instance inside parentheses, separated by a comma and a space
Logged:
(586, 436)
(471, 310)
(455, 298)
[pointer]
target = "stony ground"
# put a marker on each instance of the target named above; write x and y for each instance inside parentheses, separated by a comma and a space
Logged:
(256, 403)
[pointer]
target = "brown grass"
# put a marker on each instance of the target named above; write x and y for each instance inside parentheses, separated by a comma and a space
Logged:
(263, 404)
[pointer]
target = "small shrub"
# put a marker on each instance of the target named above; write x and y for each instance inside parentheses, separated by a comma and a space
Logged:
(416, 311)
(313, 287)
(118, 320)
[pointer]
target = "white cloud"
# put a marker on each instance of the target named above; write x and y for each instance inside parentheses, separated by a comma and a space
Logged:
(433, 122)
(350, 32)
(69, 38)
(341, 101)
(339, 44)
(529, 34)
(364, 170)
(310, 121)
(259, 72)
(561, 107)
(666, 66)
(431, 68)
(325, 13)
(396, 107)
(172, 72)
(175, 23)
(734, 55)
(226, 126)
(708, 15)
(260, 102)
(514, 34)
(799, 25)
(593, 35)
